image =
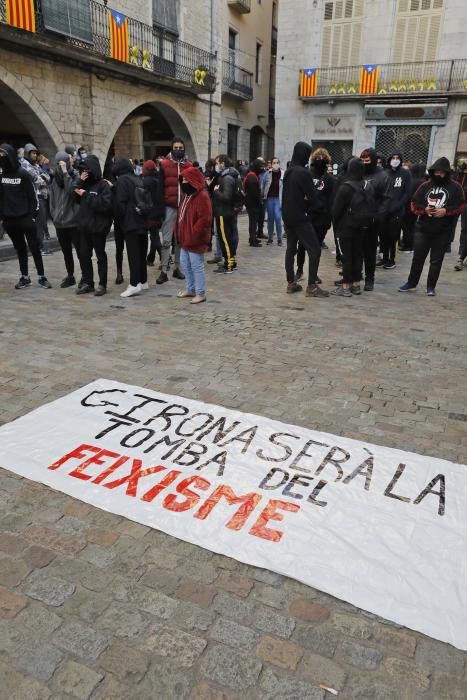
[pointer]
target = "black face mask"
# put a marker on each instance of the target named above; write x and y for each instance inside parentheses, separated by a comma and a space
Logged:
(440, 180)
(368, 168)
(187, 188)
(3, 162)
(320, 166)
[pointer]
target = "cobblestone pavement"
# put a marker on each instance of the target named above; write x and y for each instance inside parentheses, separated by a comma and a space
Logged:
(95, 606)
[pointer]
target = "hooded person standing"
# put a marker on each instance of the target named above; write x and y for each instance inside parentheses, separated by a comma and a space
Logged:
(171, 167)
(41, 181)
(299, 202)
(194, 233)
(253, 200)
(435, 202)
(398, 193)
(151, 182)
(94, 220)
(64, 210)
(18, 210)
(378, 178)
(225, 214)
(409, 221)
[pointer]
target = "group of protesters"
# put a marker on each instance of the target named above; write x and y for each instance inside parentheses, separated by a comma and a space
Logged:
(184, 211)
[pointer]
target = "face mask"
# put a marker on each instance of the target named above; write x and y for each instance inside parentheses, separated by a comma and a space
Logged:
(395, 162)
(319, 165)
(83, 155)
(368, 167)
(187, 188)
(178, 153)
(276, 167)
(219, 169)
(439, 180)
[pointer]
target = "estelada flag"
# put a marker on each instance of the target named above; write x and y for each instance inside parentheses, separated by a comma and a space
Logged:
(20, 14)
(308, 82)
(369, 80)
(118, 36)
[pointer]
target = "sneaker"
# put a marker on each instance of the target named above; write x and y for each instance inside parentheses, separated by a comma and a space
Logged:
(144, 285)
(220, 270)
(85, 289)
(293, 287)
(380, 263)
(405, 250)
(342, 292)
(389, 265)
(279, 243)
(68, 281)
(100, 291)
(315, 291)
(215, 261)
(369, 286)
(119, 278)
(80, 283)
(23, 282)
(44, 283)
(407, 288)
(459, 266)
(338, 283)
(131, 291)
(46, 252)
(270, 242)
(162, 278)
(356, 289)
(256, 245)
(178, 274)
(431, 292)
(338, 263)
(324, 246)
(299, 275)
(228, 271)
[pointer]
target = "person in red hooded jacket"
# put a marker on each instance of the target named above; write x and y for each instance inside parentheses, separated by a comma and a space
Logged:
(194, 233)
(171, 168)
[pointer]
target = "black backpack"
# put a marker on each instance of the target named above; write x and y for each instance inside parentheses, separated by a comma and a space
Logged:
(239, 195)
(363, 207)
(143, 199)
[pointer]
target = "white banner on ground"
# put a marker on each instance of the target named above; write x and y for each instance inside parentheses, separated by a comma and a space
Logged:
(380, 528)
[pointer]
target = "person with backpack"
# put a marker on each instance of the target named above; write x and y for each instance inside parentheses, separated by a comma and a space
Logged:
(253, 200)
(19, 207)
(353, 214)
(94, 220)
(272, 195)
(398, 193)
(131, 207)
(228, 198)
(436, 202)
(194, 233)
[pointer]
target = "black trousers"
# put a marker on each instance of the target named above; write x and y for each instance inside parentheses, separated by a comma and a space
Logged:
(351, 249)
(136, 250)
(408, 230)
(369, 247)
(390, 235)
(434, 243)
(155, 244)
(23, 233)
(321, 232)
(463, 239)
(227, 240)
(88, 243)
(69, 238)
(253, 223)
(119, 246)
(261, 218)
(305, 234)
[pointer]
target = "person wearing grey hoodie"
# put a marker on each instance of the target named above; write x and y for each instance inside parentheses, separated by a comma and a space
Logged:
(41, 182)
(63, 210)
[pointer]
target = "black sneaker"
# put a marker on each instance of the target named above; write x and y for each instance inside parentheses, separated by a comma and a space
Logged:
(44, 283)
(380, 263)
(269, 242)
(23, 282)
(85, 289)
(256, 245)
(293, 287)
(389, 265)
(68, 281)
(80, 283)
(162, 278)
(369, 286)
(220, 270)
(178, 274)
(324, 246)
(100, 291)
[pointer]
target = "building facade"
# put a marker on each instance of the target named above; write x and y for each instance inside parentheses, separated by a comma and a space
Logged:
(248, 54)
(382, 73)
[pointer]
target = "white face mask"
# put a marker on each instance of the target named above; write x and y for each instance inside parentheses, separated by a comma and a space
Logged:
(395, 162)
(276, 166)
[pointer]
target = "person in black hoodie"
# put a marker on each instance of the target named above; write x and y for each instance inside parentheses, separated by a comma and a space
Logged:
(94, 219)
(18, 209)
(224, 211)
(462, 180)
(435, 202)
(253, 200)
(299, 203)
(398, 192)
(409, 221)
(378, 177)
(152, 183)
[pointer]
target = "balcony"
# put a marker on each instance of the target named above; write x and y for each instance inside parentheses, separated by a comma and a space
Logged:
(395, 80)
(237, 82)
(241, 6)
(155, 57)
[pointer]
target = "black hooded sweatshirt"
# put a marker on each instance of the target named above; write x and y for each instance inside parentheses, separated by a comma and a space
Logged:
(398, 187)
(18, 198)
(355, 174)
(299, 200)
(325, 186)
(124, 197)
(252, 186)
(95, 206)
(447, 195)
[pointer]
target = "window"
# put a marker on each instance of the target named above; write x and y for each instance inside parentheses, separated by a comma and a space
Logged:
(232, 141)
(344, 9)
(165, 14)
(259, 61)
(69, 17)
(342, 33)
(417, 31)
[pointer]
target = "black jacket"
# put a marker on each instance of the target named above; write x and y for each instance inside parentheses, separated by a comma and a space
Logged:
(223, 198)
(253, 199)
(299, 200)
(379, 179)
(398, 188)
(355, 174)
(448, 195)
(95, 206)
(18, 197)
(124, 201)
(325, 185)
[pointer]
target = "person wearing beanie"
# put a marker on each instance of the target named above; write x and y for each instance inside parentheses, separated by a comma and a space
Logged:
(18, 209)
(64, 210)
(436, 202)
(152, 183)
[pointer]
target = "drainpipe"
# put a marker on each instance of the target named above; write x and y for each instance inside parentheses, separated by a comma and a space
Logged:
(210, 96)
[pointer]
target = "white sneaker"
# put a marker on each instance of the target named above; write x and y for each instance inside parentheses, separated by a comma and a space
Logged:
(131, 291)
(144, 285)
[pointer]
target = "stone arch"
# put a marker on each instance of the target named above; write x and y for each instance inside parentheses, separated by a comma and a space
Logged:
(30, 112)
(171, 111)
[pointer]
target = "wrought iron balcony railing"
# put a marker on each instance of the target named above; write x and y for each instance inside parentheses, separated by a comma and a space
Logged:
(237, 82)
(150, 49)
(395, 79)
(242, 6)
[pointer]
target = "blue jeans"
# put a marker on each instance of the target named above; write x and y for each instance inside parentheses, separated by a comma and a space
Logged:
(193, 268)
(273, 206)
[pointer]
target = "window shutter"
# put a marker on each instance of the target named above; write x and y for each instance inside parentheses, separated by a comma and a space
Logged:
(433, 34)
(355, 45)
(399, 41)
(403, 5)
(326, 50)
(339, 9)
(328, 7)
(421, 38)
(344, 59)
(68, 17)
(358, 8)
(336, 45)
(164, 14)
(348, 8)
(438, 4)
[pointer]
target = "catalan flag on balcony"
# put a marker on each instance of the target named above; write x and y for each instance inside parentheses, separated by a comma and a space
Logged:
(369, 80)
(20, 14)
(118, 36)
(308, 82)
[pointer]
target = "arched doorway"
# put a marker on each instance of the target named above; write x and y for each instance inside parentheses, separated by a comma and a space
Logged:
(257, 143)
